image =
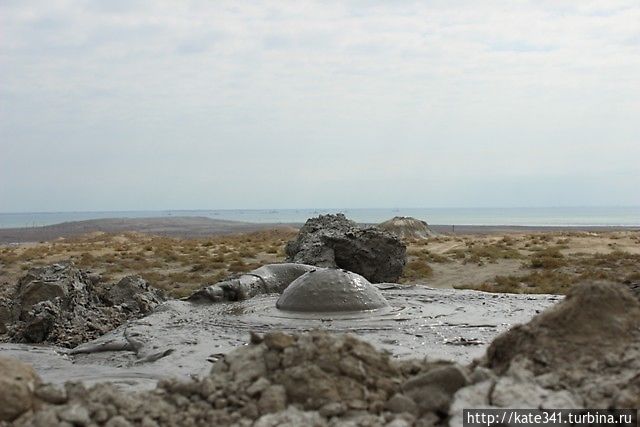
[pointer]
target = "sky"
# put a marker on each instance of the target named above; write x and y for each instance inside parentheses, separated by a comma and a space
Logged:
(140, 105)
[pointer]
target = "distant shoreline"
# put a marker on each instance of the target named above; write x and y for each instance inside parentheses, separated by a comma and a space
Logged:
(199, 227)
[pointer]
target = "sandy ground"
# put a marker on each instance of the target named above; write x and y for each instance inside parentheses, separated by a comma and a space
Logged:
(463, 275)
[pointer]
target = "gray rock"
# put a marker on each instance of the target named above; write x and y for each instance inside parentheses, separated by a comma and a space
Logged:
(335, 241)
(7, 314)
(332, 409)
(433, 390)
(52, 394)
(399, 422)
(75, 414)
(118, 421)
(273, 399)
(511, 392)
(135, 294)
(291, 417)
(258, 386)
(400, 403)
(17, 383)
(278, 340)
(46, 284)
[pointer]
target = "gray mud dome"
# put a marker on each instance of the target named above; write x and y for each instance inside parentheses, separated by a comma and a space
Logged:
(334, 241)
(182, 338)
(330, 290)
(406, 227)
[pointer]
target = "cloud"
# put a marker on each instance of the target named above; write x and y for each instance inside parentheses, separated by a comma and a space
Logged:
(237, 100)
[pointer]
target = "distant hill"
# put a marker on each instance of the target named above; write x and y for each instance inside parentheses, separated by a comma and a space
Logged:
(186, 227)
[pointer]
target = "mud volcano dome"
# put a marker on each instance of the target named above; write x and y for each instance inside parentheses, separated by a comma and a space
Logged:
(331, 290)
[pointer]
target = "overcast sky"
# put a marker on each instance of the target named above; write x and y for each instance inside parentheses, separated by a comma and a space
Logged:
(118, 105)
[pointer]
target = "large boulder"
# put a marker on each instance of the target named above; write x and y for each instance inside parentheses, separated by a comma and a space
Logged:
(337, 242)
(406, 227)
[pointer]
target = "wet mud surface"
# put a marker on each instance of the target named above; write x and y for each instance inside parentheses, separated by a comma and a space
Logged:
(183, 339)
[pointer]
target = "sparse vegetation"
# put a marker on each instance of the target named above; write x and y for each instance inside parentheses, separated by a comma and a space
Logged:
(416, 270)
(178, 266)
(544, 263)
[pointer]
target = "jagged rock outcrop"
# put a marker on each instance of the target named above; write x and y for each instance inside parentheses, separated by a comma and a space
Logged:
(335, 241)
(406, 227)
(62, 305)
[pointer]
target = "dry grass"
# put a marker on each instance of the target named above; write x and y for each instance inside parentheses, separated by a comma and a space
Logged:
(555, 273)
(551, 262)
(177, 265)
(544, 282)
(416, 270)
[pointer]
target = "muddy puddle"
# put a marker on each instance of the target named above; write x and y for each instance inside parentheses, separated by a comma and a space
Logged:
(182, 339)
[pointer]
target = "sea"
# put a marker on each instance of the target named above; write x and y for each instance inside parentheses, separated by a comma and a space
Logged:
(552, 216)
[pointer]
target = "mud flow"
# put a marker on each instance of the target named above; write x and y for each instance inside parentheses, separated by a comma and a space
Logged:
(183, 339)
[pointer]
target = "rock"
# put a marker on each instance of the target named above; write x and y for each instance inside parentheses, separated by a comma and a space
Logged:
(75, 414)
(273, 399)
(510, 392)
(135, 294)
(51, 394)
(17, 384)
(40, 321)
(45, 284)
(7, 314)
(331, 290)
(592, 319)
(433, 390)
(332, 409)
(258, 387)
(399, 422)
(247, 366)
(278, 340)
(400, 403)
(334, 241)
(292, 417)
(60, 304)
(473, 396)
(589, 343)
(118, 421)
(406, 227)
